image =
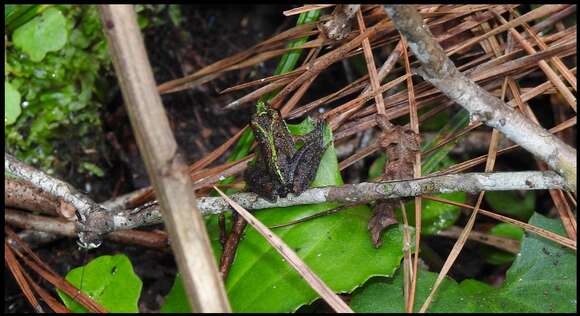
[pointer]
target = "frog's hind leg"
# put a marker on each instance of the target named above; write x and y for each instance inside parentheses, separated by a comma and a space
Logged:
(306, 161)
(258, 181)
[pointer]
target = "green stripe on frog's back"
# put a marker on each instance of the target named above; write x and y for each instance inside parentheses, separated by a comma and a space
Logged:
(272, 147)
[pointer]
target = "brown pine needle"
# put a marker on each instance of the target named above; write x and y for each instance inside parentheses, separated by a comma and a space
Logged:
(306, 8)
(313, 216)
(458, 246)
(407, 259)
(17, 272)
(414, 122)
(502, 243)
(372, 69)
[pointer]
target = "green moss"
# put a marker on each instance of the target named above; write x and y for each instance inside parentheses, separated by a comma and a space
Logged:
(62, 90)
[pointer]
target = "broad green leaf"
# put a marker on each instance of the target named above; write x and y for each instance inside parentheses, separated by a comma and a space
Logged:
(12, 103)
(514, 204)
(110, 281)
(542, 279)
(336, 247)
(506, 230)
(43, 34)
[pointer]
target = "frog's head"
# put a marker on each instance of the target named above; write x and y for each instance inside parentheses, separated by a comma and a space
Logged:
(264, 110)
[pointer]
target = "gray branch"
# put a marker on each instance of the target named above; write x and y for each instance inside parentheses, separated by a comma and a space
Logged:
(150, 214)
(368, 192)
(103, 220)
(64, 192)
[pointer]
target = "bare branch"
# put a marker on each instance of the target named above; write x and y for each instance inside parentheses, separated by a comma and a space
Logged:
(64, 192)
(367, 192)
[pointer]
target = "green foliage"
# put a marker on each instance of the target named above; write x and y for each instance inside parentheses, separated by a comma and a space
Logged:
(152, 15)
(542, 279)
(45, 33)
(519, 205)
(506, 230)
(56, 63)
(16, 15)
(110, 281)
(377, 167)
(435, 123)
(11, 104)
(336, 247)
(436, 160)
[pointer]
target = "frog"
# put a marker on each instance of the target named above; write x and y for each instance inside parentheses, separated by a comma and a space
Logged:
(280, 168)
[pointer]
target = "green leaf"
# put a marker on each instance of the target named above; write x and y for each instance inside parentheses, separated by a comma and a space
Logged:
(176, 301)
(435, 123)
(12, 103)
(506, 230)
(175, 15)
(43, 34)
(17, 15)
(336, 247)
(110, 281)
(377, 167)
(92, 168)
(541, 279)
(302, 128)
(514, 204)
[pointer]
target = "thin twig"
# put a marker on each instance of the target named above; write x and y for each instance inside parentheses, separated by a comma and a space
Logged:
(231, 245)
